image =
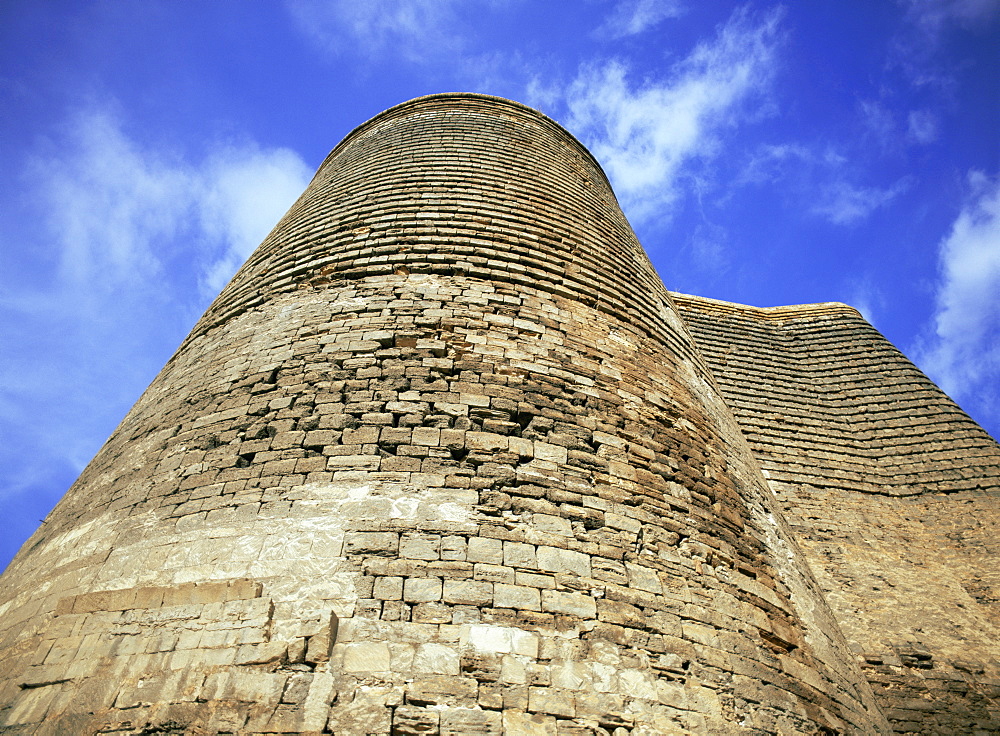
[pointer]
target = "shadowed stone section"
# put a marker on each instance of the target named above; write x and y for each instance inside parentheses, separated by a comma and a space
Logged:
(442, 458)
(893, 494)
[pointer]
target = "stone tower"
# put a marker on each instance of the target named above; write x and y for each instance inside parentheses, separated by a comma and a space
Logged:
(443, 458)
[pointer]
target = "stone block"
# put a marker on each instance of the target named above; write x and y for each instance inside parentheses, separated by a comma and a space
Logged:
(422, 590)
(550, 524)
(408, 720)
(437, 659)
(487, 441)
(453, 548)
(388, 588)
(426, 436)
(484, 549)
(470, 722)
(518, 554)
(493, 573)
(556, 559)
(419, 547)
(366, 656)
(551, 701)
(442, 690)
(499, 639)
(468, 592)
(371, 543)
(516, 596)
(520, 723)
(549, 452)
(572, 604)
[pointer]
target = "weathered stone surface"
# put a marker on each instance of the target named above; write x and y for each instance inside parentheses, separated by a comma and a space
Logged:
(892, 491)
(444, 458)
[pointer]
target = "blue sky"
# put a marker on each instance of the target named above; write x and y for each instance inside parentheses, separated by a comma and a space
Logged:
(830, 150)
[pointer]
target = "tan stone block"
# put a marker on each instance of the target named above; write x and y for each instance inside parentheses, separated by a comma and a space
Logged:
(555, 559)
(616, 521)
(468, 592)
(422, 590)
(370, 712)
(516, 596)
(523, 447)
(453, 548)
(518, 554)
(493, 573)
(550, 524)
(364, 543)
(484, 549)
(249, 654)
(470, 722)
(438, 659)
(361, 436)
(410, 721)
(419, 547)
(549, 452)
(443, 690)
(534, 580)
(616, 612)
(491, 696)
(353, 462)
(573, 604)
(366, 656)
(388, 588)
(242, 590)
(551, 701)
(519, 723)
(513, 670)
(643, 578)
(487, 441)
(426, 436)
(499, 639)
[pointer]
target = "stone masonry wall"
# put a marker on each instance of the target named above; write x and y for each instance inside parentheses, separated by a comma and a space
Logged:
(891, 490)
(441, 459)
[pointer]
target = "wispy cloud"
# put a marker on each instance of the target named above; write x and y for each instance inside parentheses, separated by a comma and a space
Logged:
(632, 17)
(963, 351)
(933, 15)
(846, 204)
(922, 127)
(822, 177)
(416, 30)
(129, 235)
(644, 133)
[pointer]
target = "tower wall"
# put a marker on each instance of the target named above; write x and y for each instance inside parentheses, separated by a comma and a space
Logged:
(892, 491)
(441, 458)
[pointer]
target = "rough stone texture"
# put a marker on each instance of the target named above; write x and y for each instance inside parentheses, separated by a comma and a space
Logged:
(893, 494)
(443, 458)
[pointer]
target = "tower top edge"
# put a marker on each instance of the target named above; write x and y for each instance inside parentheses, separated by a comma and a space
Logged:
(468, 101)
(778, 313)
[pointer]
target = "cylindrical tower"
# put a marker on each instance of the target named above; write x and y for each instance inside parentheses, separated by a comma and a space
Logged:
(441, 458)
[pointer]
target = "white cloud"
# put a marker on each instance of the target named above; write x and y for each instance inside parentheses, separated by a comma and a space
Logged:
(246, 191)
(963, 352)
(417, 30)
(933, 15)
(770, 163)
(845, 204)
(644, 134)
(108, 204)
(632, 17)
(94, 306)
(864, 295)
